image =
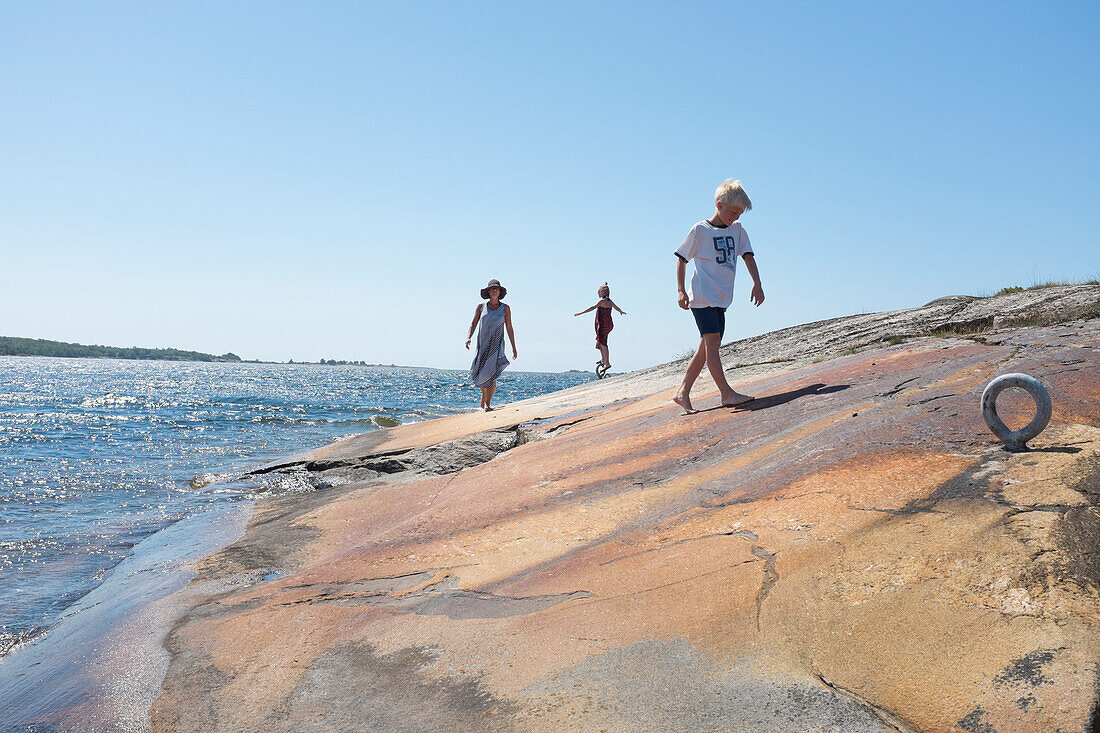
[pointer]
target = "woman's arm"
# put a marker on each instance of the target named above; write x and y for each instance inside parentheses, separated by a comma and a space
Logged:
(587, 310)
(621, 311)
(473, 325)
(508, 326)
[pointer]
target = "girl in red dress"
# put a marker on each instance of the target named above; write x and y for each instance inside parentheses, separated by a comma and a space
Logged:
(604, 324)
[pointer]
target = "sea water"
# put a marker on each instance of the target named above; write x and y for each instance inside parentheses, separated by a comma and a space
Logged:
(97, 454)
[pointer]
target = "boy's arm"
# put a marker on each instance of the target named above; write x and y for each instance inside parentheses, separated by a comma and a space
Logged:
(757, 296)
(508, 325)
(586, 310)
(473, 325)
(681, 294)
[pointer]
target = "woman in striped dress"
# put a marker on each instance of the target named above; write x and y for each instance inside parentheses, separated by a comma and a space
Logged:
(489, 360)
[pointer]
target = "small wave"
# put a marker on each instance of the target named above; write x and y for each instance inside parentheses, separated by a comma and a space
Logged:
(109, 400)
(281, 420)
(385, 422)
(284, 483)
(11, 640)
(205, 479)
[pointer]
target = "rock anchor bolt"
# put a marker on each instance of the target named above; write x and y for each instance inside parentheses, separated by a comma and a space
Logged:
(1016, 440)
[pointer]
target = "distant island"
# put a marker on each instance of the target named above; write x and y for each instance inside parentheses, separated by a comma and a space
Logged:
(13, 346)
(338, 362)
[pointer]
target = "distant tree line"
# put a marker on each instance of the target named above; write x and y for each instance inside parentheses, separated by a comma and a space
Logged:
(11, 346)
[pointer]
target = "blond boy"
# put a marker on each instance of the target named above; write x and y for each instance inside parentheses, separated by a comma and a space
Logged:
(714, 245)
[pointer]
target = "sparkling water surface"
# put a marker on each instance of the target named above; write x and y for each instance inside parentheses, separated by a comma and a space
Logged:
(97, 454)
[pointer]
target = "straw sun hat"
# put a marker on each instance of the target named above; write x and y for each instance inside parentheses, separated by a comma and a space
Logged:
(493, 284)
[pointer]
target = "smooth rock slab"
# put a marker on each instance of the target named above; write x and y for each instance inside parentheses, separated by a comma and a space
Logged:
(852, 551)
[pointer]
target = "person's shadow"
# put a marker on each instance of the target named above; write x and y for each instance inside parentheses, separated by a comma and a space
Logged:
(763, 403)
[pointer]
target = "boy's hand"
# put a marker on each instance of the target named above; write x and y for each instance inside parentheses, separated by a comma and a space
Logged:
(682, 299)
(757, 296)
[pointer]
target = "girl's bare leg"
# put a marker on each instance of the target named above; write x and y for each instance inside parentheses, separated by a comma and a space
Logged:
(484, 398)
(488, 391)
(603, 355)
(694, 369)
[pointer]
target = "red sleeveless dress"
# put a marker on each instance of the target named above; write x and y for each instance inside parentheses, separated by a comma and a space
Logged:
(604, 324)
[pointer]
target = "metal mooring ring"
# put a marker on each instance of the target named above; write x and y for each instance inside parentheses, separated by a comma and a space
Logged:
(1016, 439)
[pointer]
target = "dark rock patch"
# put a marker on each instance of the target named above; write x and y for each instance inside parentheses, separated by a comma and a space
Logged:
(974, 722)
(353, 688)
(1078, 536)
(440, 459)
(1027, 670)
(667, 686)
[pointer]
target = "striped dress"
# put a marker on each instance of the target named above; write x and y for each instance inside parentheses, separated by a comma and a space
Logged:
(489, 361)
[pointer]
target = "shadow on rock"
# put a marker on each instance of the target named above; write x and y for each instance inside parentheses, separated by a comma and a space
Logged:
(775, 400)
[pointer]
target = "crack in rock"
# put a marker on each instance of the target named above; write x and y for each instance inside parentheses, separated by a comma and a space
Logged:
(771, 577)
(933, 399)
(882, 714)
(897, 388)
(733, 533)
(441, 598)
(563, 425)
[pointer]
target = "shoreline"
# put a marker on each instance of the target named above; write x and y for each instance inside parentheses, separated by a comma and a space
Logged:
(286, 536)
(39, 682)
(101, 665)
(138, 420)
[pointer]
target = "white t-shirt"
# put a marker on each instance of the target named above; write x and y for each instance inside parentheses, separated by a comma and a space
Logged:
(715, 251)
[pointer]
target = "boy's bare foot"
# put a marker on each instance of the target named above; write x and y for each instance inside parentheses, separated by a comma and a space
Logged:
(684, 401)
(733, 399)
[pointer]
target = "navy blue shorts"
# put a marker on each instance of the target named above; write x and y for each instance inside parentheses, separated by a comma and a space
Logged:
(710, 320)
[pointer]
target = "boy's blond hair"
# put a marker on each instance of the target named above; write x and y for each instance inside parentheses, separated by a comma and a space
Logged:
(732, 193)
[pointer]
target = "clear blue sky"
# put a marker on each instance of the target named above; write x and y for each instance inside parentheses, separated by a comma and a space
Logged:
(338, 180)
